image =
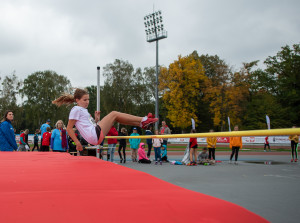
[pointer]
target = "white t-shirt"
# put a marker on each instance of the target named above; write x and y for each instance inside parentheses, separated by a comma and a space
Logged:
(85, 124)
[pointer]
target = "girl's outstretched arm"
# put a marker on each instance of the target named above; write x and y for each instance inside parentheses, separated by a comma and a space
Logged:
(71, 133)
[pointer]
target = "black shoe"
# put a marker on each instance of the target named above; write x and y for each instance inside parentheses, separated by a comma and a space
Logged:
(121, 160)
(124, 161)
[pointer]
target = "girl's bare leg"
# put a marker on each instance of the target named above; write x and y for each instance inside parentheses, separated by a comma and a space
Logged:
(108, 121)
(195, 154)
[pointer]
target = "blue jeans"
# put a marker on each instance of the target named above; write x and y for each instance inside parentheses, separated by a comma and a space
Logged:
(111, 151)
(157, 152)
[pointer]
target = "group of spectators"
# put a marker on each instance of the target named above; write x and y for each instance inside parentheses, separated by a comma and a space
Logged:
(137, 148)
(57, 140)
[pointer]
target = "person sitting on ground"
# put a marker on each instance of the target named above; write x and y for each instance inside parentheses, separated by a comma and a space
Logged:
(164, 156)
(203, 158)
(142, 154)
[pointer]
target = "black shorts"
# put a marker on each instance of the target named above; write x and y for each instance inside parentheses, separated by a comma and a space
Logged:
(99, 133)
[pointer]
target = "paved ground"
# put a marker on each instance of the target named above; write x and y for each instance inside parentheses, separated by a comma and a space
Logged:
(270, 190)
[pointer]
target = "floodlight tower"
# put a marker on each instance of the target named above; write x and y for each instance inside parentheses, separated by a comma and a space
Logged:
(154, 29)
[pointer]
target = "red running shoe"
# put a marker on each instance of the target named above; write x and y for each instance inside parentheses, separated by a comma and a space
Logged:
(292, 160)
(148, 121)
(150, 115)
(296, 160)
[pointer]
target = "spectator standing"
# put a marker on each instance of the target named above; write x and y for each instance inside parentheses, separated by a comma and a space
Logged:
(267, 144)
(149, 141)
(7, 134)
(59, 138)
(235, 144)
(134, 145)
(294, 146)
(36, 140)
(211, 145)
(193, 149)
(26, 141)
(43, 129)
(122, 145)
(157, 142)
(22, 142)
(112, 143)
(46, 140)
(165, 130)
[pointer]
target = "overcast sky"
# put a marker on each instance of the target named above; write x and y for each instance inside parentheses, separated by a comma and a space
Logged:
(73, 37)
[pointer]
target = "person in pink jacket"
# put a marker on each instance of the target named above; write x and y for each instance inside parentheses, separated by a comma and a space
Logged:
(142, 154)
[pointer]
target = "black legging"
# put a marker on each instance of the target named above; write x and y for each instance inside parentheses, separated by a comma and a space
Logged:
(149, 149)
(124, 154)
(36, 145)
(235, 150)
(267, 145)
(294, 149)
(211, 153)
(144, 161)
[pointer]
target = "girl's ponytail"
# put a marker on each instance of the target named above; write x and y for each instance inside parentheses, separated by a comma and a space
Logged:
(70, 99)
(67, 99)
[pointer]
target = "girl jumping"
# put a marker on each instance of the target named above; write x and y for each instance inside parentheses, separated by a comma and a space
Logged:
(94, 131)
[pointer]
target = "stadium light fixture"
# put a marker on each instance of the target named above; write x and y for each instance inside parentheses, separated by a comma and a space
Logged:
(155, 31)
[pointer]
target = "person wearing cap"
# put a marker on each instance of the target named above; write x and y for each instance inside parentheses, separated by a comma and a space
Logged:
(43, 129)
(134, 145)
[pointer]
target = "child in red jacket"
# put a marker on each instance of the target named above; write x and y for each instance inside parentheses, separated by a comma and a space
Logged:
(193, 149)
(112, 143)
(46, 140)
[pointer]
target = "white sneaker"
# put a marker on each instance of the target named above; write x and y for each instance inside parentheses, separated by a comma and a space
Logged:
(236, 163)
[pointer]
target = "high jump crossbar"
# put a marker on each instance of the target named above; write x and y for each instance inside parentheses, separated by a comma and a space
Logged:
(265, 132)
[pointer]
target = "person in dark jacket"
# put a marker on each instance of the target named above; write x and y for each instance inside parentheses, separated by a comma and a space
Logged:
(149, 141)
(36, 140)
(7, 134)
(122, 145)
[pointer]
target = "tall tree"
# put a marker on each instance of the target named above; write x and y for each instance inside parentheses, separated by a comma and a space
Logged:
(181, 85)
(215, 92)
(39, 90)
(126, 89)
(285, 69)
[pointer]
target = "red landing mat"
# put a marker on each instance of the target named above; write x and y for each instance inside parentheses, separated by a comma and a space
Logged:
(54, 187)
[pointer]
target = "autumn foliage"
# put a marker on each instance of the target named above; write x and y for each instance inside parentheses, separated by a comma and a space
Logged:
(182, 85)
